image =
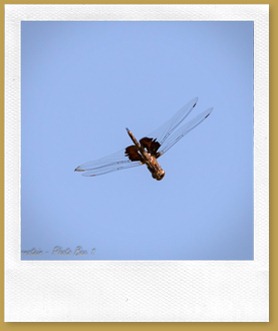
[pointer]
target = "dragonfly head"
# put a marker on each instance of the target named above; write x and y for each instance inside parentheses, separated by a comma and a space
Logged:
(158, 175)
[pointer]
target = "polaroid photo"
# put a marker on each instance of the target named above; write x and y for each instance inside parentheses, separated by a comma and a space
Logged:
(166, 221)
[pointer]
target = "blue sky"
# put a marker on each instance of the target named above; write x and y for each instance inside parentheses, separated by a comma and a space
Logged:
(82, 84)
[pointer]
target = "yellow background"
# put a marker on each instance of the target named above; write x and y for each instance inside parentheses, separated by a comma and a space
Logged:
(272, 325)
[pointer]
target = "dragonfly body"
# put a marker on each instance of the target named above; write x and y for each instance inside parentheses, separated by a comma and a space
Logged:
(149, 148)
(145, 157)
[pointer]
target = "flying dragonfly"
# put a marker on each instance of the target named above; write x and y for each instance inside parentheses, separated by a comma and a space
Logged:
(149, 148)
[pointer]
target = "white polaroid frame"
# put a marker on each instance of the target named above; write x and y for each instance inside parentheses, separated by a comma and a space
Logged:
(136, 291)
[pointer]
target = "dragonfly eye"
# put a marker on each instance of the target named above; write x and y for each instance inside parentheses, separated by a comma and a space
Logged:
(159, 175)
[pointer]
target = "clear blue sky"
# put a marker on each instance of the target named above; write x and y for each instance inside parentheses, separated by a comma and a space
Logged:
(83, 83)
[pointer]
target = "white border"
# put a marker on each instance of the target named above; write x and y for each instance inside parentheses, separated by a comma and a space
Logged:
(135, 291)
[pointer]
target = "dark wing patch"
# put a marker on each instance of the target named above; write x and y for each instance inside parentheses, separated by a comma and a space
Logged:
(132, 153)
(152, 145)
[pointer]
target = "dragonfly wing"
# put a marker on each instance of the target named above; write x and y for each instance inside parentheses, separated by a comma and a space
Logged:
(113, 162)
(163, 132)
(157, 143)
(182, 131)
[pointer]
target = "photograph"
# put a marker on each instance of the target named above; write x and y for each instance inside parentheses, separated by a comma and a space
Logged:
(136, 163)
(137, 140)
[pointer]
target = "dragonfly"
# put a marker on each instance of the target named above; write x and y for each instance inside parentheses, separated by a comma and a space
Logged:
(150, 148)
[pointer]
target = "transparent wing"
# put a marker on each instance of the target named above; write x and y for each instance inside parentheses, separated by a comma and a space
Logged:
(182, 131)
(165, 135)
(163, 132)
(113, 162)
